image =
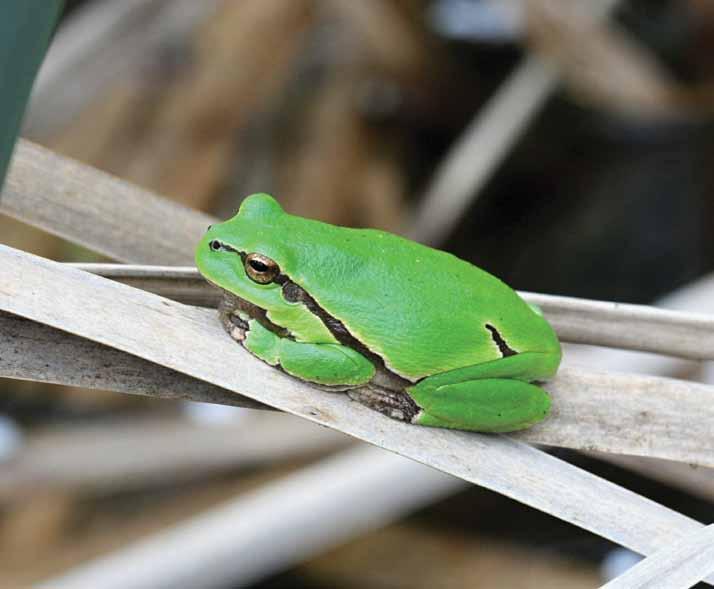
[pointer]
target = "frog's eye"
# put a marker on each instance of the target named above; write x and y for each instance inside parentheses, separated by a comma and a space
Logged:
(260, 268)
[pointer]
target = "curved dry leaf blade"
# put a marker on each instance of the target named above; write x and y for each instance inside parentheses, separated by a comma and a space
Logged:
(624, 414)
(678, 566)
(181, 338)
(602, 323)
(99, 211)
(600, 63)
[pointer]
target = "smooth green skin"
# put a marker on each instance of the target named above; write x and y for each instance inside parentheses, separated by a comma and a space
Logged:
(423, 311)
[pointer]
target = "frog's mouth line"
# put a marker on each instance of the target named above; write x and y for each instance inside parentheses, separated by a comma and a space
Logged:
(230, 307)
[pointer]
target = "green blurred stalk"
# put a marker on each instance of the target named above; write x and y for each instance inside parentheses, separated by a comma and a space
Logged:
(25, 30)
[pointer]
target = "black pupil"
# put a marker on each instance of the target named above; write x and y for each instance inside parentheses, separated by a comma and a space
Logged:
(215, 245)
(258, 266)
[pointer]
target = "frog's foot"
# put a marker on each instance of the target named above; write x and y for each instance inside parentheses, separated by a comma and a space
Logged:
(394, 404)
(236, 315)
(235, 326)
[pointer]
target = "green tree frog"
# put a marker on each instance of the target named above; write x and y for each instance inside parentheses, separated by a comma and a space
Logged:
(413, 332)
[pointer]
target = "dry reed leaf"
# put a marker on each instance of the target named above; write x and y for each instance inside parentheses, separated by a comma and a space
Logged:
(605, 67)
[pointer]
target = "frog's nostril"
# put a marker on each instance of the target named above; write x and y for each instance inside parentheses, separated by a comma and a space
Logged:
(209, 227)
(215, 245)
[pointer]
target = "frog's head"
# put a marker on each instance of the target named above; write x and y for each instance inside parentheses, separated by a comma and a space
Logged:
(254, 256)
(245, 254)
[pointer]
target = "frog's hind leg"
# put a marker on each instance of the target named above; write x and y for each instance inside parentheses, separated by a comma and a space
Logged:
(488, 405)
(491, 397)
(394, 404)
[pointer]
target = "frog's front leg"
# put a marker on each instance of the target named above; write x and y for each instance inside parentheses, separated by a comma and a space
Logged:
(491, 397)
(324, 364)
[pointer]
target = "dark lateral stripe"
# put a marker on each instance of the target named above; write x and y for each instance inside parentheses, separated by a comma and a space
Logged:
(295, 293)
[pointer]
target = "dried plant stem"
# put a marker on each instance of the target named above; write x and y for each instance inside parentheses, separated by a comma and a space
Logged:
(181, 338)
(603, 323)
(476, 155)
(677, 566)
(625, 414)
(97, 210)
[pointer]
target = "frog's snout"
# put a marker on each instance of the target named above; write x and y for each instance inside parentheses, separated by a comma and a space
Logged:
(216, 245)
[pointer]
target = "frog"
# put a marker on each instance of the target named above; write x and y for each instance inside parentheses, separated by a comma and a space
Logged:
(415, 333)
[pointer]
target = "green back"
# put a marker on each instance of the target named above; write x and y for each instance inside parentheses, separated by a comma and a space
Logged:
(423, 310)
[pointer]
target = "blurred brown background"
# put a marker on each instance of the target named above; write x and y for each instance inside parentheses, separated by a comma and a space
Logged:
(344, 110)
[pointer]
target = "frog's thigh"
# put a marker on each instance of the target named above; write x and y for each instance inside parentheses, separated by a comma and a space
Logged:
(489, 397)
(327, 364)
